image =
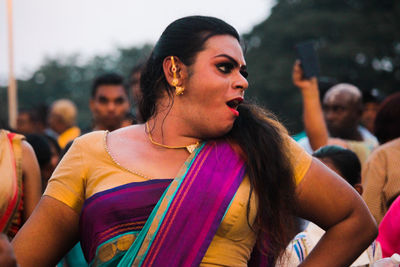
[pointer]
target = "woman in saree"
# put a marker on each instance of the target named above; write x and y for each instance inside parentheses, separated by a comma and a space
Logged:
(20, 185)
(207, 180)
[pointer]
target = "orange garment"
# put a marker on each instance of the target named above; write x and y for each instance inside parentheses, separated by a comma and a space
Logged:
(381, 178)
(68, 135)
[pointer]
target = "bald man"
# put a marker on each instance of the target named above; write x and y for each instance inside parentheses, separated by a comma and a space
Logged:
(62, 121)
(342, 108)
(337, 121)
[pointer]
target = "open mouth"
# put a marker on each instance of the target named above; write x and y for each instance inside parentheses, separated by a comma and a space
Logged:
(233, 105)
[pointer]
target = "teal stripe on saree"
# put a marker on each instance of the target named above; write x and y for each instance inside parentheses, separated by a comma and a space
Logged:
(182, 224)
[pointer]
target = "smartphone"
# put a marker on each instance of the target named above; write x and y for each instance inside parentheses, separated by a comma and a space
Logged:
(308, 58)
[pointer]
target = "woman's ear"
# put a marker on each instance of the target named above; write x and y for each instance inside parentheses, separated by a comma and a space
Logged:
(174, 71)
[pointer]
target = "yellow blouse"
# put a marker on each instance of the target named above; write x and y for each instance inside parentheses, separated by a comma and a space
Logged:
(88, 168)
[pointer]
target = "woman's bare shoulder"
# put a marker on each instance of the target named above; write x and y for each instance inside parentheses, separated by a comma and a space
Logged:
(129, 134)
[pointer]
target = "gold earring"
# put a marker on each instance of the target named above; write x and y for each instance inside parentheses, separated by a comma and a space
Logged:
(178, 89)
(174, 82)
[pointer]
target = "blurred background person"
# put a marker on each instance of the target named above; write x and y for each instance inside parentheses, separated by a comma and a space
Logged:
(381, 173)
(134, 86)
(109, 105)
(55, 150)
(337, 121)
(62, 122)
(33, 120)
(47, 153)
(109, 102)
(345, 163)
(26, 122)
(129, 119)
(371, 102)
(20, 188)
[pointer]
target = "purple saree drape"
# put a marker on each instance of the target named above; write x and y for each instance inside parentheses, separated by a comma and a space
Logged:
(197, 209)
(186, 213)
(117, 211)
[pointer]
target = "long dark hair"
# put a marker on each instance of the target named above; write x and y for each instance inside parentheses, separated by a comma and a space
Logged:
(262, 139)
(257, 133)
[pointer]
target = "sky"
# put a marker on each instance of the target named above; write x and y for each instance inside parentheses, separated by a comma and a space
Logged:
(51, 28)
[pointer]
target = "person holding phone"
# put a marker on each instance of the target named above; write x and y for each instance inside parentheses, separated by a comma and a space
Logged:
(336, 122)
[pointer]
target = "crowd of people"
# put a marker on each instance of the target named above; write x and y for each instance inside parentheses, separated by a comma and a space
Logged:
(199, 176)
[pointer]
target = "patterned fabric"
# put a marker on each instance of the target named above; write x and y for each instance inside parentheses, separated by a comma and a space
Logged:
(114, 213)
(185, 218)
(11, 182)
(16, 222)
(300, 247)
(303, 243)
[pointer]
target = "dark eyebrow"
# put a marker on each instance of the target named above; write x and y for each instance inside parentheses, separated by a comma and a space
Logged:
(101, 97)
(119, 99)
(234, 62)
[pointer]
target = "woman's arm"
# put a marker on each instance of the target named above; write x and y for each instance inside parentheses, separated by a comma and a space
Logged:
(31, 180)
(48, 235)
(327, 200)
(313, 118)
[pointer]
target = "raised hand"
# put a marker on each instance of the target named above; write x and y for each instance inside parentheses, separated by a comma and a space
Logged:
(305, 85)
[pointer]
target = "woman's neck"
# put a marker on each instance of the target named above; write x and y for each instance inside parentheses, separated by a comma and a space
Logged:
(170, 130)
(169, 127)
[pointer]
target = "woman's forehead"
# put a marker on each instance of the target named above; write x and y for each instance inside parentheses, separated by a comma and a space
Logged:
(224, 45)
